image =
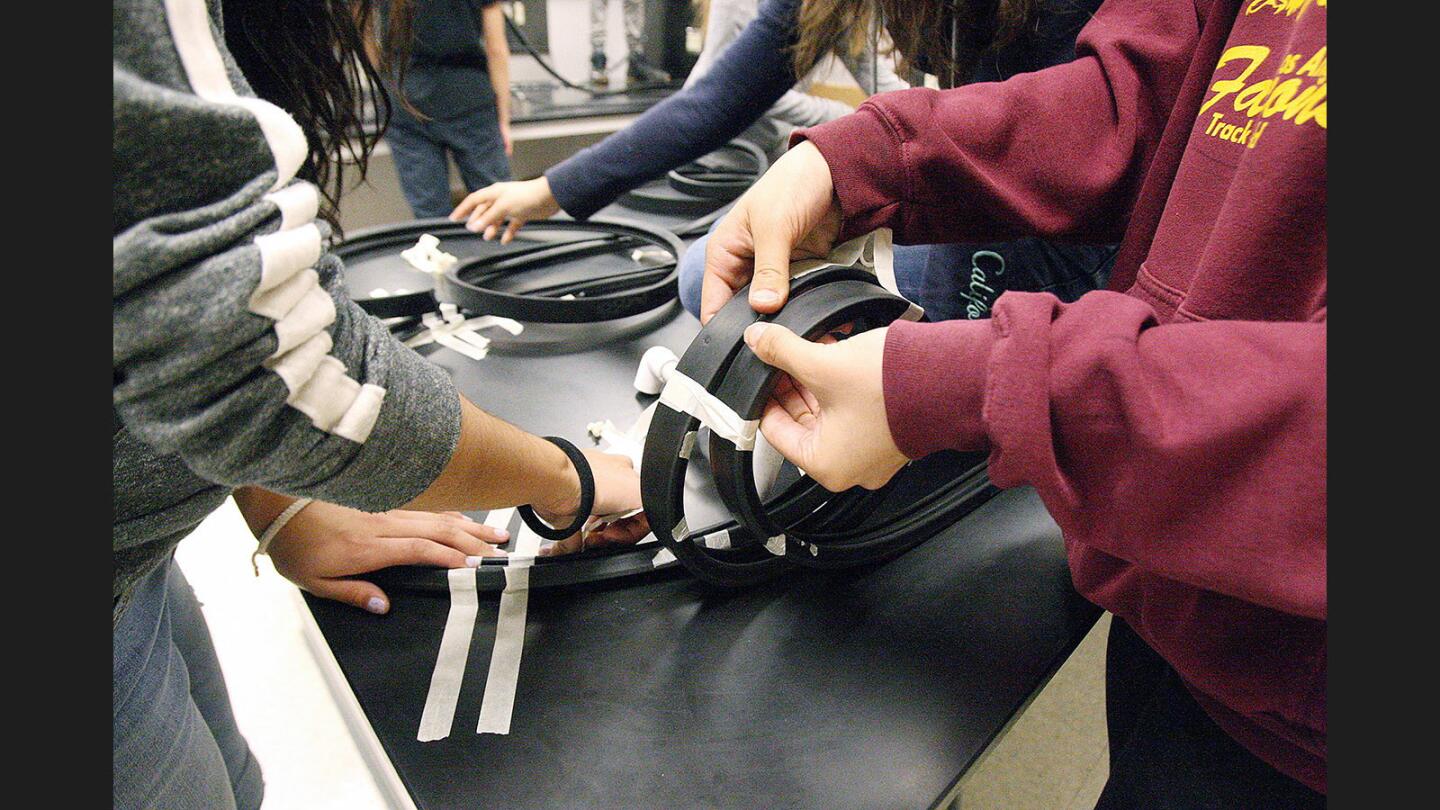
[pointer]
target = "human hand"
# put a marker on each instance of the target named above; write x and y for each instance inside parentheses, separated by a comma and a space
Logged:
(617, 491)
(827, 414)
(790, 213)
(324, 545)
(487, 210)
(505, 136)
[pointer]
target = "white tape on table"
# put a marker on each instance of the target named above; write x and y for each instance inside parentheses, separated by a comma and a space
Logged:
(439, 712)
(499, 701)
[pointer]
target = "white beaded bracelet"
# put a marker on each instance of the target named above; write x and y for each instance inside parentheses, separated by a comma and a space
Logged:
(274, 528)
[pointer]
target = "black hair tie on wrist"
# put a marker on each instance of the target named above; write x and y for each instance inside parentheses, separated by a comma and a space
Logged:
(587, 496)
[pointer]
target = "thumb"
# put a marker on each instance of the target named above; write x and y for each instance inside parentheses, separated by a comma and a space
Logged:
(770, 282)
(779, 347)
(355, 592)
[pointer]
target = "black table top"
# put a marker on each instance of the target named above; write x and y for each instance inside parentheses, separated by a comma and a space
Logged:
(872, 688)
(869, 688)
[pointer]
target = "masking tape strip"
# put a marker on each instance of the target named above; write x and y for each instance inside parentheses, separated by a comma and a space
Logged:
(687, 444)
(688, 396)
(776, 545)
(662, 557)
(875, 251)
(766, 464)
(720, 539)
(439, 712)
(499, 701)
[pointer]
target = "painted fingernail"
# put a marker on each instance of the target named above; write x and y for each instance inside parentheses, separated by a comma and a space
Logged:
(473, 562)
(502, 534)
(377, 605)
(754, 331)
(764, 296)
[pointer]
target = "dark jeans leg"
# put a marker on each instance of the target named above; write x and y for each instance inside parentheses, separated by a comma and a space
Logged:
(1167, 754)
(420, 162)
(477, 147)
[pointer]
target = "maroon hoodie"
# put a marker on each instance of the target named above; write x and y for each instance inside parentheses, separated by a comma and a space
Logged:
(1174, 426)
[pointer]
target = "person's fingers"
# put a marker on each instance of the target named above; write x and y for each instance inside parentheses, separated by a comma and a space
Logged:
(469, 536)
(569, 545)
(626, 531)
(789, 438)
(727, 261)
(356, 592)
(793, 399)
(770, 281)
(777, 346)
(474, 202)
(490, 219)
(423, 551)
(714, 293)
(511, 230)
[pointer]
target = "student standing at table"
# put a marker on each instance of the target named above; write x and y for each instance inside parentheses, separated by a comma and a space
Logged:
(455, 105)
(241, 366)
(1174, 424)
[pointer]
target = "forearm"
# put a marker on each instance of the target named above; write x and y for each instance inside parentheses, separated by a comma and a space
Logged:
(496, 464)
(497, 56)
(1196, 450)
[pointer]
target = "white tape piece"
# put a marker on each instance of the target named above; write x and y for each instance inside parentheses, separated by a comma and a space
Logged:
(766, 464)
(614, 441)
(688, 396)
(776, 545)
(427, 257)
(681, 530)
(875, 252)
(452, 330)
(663, 557)
(439, 712)
(720, 539)
(510, 325)
(499, 701)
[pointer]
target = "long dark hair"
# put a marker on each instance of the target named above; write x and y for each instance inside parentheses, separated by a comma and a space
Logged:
(919, 31)
(320, 61)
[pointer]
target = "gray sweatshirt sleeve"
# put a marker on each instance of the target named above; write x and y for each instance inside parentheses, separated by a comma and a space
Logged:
(235, 346)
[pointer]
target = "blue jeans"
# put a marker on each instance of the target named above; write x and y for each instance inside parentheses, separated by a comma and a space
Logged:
(420, 149)
(909, 268)
(176, 744)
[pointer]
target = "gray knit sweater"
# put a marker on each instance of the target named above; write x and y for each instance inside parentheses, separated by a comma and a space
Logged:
(238, 359)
